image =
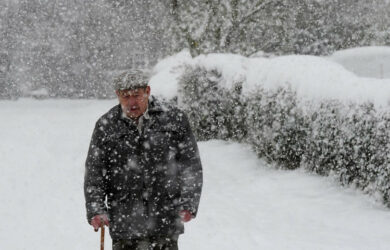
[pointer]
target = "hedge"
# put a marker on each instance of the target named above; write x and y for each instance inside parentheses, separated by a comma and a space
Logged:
(348, 141)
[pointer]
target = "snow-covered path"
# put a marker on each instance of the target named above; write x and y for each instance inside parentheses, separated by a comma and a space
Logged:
(245, 204)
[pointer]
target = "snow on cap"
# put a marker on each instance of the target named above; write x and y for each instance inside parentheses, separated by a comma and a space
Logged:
(133, 79)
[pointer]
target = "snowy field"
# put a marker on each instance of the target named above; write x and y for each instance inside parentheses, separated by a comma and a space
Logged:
(245, 204)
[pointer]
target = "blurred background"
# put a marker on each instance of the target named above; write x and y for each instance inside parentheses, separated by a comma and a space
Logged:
(74, 48)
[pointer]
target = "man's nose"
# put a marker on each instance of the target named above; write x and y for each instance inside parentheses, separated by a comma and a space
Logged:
(132, 101)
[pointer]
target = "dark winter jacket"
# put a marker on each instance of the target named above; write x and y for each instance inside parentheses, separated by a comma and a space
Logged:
(147, 177)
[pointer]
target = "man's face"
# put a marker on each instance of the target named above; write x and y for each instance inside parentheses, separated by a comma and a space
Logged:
(134, 102)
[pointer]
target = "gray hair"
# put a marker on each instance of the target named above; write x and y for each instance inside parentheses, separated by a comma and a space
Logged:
(133, 79)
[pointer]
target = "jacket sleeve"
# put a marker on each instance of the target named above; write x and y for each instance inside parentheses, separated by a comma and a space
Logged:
(95, 170)
(191, 174)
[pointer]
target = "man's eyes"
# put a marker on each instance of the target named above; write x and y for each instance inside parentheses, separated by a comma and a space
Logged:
(127, 96)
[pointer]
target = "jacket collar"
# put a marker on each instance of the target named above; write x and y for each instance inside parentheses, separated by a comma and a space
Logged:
(154, 105)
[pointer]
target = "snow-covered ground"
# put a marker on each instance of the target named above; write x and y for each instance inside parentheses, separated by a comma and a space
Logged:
(245, 203)
(373, 61)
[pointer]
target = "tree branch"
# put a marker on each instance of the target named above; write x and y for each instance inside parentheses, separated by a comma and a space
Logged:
(255, 9)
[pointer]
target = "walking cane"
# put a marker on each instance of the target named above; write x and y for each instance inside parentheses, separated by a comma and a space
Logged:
(102, 236)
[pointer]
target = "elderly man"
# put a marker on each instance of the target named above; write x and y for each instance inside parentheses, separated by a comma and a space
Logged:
(143, 175)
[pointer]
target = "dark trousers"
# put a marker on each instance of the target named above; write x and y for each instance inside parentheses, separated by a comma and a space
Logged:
(150, 243)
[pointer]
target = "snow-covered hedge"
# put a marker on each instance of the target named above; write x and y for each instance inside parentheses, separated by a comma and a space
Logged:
(214, 112)
(276, 126)
(351, 142)
(281, 107)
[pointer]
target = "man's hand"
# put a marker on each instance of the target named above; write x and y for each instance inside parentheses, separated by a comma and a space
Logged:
(185, 215)
(98, 220)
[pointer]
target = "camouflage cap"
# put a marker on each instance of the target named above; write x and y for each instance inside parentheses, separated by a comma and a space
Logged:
(131, 80)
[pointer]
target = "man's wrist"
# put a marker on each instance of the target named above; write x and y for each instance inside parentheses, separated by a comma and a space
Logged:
(186, 215)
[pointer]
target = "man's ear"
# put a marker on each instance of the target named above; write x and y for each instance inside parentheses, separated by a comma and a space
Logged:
(148, 90)
(117, 93)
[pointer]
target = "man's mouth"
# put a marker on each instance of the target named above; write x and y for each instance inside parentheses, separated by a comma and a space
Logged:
(133, 108)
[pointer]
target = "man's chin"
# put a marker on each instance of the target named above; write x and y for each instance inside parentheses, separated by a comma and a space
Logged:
(132, 115)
